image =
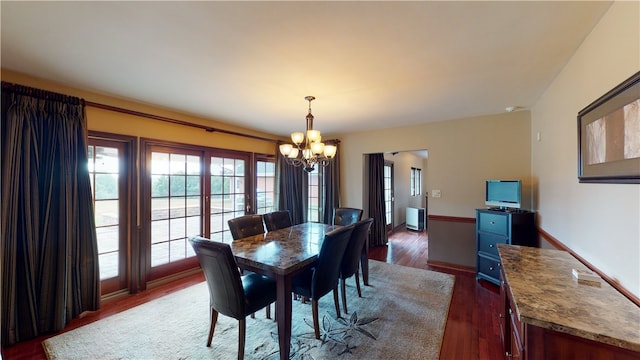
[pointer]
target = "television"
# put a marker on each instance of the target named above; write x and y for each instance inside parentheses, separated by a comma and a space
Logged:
(503, 194)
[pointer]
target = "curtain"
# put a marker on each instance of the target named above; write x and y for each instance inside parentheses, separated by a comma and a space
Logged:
(378, 233)
(291, 190)
(331, 195)
(48, 238)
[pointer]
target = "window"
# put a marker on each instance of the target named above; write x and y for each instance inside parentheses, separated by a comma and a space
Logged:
(265, 185)
(416, 181)
(388, 195)
(313, 203)
(109, 161)
(227, 194)
(175, 205)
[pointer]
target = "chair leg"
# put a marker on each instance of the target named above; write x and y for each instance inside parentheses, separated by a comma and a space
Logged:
(242, 326)
(268, 310)
(358, 283)
(214, 319)
(316, 324)
(335, 301)
(343, 287)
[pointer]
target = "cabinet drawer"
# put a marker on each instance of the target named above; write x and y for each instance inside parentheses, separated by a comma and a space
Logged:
(488, 243)
(489, 266)
(495, 223)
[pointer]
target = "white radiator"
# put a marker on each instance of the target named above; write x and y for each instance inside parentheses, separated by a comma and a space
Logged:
(415, 218)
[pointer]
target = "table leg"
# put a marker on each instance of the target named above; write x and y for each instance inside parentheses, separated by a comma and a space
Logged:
(283, 315)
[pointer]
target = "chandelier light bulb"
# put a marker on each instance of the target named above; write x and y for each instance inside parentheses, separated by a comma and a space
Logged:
(285, 149)
(330, 151)
(314, 135)
(297, 137)
(317, 147)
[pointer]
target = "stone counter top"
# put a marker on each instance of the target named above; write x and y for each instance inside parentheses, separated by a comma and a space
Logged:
(546, 295)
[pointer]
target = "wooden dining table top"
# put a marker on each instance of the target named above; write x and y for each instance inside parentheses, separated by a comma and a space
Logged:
(281, 251)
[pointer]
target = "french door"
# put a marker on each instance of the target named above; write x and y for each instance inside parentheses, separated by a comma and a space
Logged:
(189, 191)
(109, 164)
(388, 195)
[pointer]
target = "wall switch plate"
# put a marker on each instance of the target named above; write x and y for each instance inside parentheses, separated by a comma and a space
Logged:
(436, 193)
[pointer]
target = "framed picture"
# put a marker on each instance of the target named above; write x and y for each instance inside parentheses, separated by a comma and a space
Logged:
(609, 136)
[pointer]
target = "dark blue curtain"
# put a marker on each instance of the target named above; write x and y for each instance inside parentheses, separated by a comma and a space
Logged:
(378, 234)
(48, 238)
(330, 197)
(291, 190)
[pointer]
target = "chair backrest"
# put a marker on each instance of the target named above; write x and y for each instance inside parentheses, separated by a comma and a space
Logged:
(277, 220)
(247, 225)
(226, 293)
(346, 216)
(351, 258)
(327, 268)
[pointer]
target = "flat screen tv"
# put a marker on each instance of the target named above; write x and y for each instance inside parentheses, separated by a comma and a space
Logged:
(503, 194)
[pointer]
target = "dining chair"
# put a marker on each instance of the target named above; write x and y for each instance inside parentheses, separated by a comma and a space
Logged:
(247, 225)
(351, 259)
(322, 277)
(346, 216)
(277, 220)
(231, 294)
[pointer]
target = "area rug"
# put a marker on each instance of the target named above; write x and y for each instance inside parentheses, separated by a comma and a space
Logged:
(402, 315)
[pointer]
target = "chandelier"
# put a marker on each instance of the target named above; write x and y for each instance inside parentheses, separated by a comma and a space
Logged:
(308, 150)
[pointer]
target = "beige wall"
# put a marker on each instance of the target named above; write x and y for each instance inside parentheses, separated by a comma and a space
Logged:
(120, 123)
(462, 155)
(600, 222)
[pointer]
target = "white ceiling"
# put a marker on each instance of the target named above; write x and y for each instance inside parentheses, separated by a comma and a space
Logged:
(371, 65)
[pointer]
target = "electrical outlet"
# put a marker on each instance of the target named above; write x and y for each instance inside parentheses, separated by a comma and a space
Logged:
(436, 193)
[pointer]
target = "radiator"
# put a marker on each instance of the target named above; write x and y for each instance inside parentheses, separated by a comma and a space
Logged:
(415, 218)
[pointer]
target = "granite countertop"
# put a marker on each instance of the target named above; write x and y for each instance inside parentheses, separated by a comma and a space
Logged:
(546, 295)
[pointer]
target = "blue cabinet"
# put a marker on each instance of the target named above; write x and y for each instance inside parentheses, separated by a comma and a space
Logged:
(495, 226)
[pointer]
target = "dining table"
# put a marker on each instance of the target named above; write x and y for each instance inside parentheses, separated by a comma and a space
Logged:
(282, 254)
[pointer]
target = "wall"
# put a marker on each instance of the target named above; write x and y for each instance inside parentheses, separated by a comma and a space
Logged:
(599, 222)
(463, 153)
(120, 123)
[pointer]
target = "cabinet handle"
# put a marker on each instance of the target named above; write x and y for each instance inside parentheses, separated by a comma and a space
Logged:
(510, 312)
(490, 245)
(491, 268)
(492, 222)
(508, 354)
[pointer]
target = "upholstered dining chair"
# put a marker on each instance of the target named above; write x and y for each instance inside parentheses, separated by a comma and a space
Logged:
(346, 216)
(322, 277)
(351, 259)
(247, 225)
(230, 293)
(277, 220)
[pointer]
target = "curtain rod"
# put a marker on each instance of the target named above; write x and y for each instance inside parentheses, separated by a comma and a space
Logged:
(40, 94)
(173, 121)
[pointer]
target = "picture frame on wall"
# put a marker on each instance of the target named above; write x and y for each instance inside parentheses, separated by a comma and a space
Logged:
(609, 136)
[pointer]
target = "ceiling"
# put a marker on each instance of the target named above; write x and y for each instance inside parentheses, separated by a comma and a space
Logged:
(371, 65)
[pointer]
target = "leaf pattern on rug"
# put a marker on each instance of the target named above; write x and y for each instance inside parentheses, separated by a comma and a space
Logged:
(333, 333)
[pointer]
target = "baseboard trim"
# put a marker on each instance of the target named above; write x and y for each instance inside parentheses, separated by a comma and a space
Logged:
(616, 285)
(173, 277)
(451, 266)
(451, 218)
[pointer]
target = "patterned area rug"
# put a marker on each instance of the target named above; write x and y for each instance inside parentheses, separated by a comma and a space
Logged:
(401, 315)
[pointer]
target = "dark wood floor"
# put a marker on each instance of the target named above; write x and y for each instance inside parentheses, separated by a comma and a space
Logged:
(472, 330)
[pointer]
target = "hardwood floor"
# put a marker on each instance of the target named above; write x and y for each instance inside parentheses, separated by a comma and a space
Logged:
(472, 330)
